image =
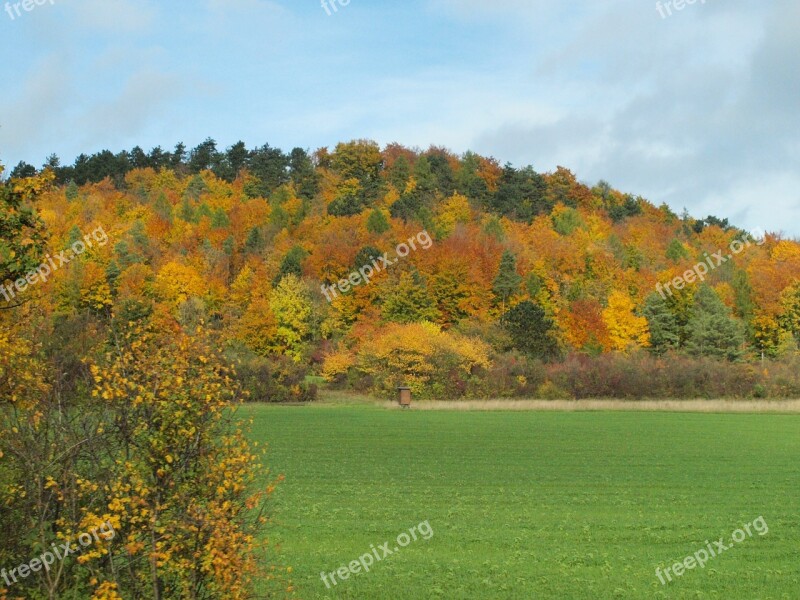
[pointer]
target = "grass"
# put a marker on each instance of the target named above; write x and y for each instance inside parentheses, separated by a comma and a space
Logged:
(534, 504)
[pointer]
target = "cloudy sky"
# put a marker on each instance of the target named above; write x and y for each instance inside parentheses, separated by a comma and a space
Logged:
(699, 108)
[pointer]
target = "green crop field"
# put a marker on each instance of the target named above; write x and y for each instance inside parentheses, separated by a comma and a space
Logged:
(534, 504)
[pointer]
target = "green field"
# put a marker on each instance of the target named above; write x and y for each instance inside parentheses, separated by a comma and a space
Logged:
(534, 504)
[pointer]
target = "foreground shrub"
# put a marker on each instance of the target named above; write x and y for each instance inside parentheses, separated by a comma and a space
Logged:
(153, 450)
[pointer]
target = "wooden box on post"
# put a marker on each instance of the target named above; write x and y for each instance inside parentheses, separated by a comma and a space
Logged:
(404, 396)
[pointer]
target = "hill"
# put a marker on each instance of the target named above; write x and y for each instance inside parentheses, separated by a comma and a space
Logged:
(376, 267)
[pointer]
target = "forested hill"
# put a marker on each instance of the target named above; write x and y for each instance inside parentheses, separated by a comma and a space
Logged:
(486, 267)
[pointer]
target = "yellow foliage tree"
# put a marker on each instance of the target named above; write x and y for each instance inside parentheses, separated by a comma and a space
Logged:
(451, 212)
(176, 283)
(95, 290)
(432, 362)
(625, 328)
(258, 328)
(768, 335)
(292, 308)
(337, 364)
(242, 287)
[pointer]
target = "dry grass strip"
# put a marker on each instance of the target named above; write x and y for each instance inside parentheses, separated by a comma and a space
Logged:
(701, 406)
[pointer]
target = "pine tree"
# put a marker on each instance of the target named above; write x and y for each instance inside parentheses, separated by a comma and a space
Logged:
(507, 282)
(470, 183)
(530, 330)
(494, 229)
(163, 208)
(377, 222)
(676, 251)
(72, 191)
(292, 263)
(255, 240)
(399, 173)
(743, 294)
(665, 332)
(711, 329)
(186, 211)
(219, 219)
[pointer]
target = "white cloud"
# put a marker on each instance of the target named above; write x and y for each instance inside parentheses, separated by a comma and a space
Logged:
(145, 100)
(110, 16)
(700, 110)
(33, 110)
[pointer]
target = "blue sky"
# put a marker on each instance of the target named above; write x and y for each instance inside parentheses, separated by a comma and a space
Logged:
(699, 109)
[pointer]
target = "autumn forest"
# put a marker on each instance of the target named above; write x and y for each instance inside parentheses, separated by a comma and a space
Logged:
(531, 279)
(207, 288)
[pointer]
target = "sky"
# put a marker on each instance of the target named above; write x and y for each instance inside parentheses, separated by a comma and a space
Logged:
(697, 107)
